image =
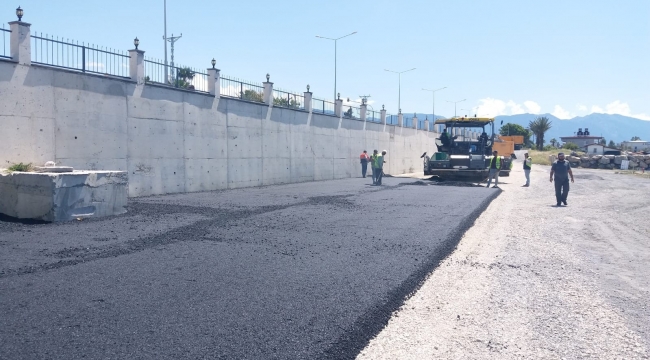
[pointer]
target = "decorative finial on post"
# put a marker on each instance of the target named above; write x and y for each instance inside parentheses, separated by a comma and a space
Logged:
(338, 96)
(382, 107)
(19, 13)
(136, 42)
(268, 77)
(213, 62)
(307, 87)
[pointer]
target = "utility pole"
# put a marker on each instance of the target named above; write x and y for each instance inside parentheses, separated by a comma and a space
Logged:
(165, 40)
(172, 40)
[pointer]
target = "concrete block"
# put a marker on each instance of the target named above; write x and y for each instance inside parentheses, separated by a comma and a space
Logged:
(63, 196)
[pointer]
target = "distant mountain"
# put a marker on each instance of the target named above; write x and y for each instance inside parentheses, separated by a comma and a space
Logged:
(610, 126)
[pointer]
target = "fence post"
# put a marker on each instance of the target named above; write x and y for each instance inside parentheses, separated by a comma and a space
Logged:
(426, 124)
(308, 104)
(415, 122)
(400, 119)
(136, 65)
(20, 40)
(268, 91)
(383, 116)
(364, 112)
(214, 81)
(338, 106)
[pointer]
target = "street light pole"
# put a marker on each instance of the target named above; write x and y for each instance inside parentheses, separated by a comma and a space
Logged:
(335, 40)
(399, 88)
(433, 92)
(165, 40)
(456, 102)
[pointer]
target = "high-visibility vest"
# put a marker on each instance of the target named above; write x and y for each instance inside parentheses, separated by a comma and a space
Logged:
(528, 163)
(364, 156)
(373, 159)
(498, 162)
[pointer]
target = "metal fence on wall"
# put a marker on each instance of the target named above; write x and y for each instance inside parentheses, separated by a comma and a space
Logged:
(323, 106)
(352, 112)
(288, 99)
(54, 51)
(373, 116)
(6, 35)
(391, 119)
(239, 89)
(181, 77)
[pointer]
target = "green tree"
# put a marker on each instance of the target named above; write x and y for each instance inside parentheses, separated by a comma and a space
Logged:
(570, 146)
(603, 141)
(284, 102)
(635, 138)
(539, 127)
(514, 129)
(183, 78)
(252, 95)
(553, 142)
(611, 144)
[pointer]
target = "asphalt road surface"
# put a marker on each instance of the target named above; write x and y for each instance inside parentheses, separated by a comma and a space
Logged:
(300, 271)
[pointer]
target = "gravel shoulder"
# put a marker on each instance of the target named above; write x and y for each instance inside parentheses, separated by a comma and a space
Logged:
(531, 280)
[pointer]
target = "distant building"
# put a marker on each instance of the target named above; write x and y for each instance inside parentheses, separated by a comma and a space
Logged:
(581, 138)
(636, 145)
(598, 149)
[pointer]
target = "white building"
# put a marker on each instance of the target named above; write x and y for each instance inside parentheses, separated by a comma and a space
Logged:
(636, 145)
(581, 138)
(598, 149)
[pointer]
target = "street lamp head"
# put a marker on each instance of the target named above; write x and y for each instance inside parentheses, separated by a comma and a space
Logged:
(136, 42)
(19, 13)
(213, 62)
(268, 77)
(307, 87)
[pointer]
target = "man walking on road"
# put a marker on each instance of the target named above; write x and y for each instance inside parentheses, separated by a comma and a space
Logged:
(528, 162)
(373, 164)
(495, 167)
(380, 167)
(364, 158)
(562, 170)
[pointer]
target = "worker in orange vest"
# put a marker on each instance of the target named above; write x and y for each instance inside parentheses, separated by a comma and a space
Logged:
(364, 158)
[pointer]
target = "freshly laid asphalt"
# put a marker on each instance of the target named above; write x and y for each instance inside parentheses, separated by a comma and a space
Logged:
(299, 271)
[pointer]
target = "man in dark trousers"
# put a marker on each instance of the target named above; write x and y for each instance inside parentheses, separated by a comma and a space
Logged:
(528, 162)
(364, 158)
(495, 166)
(562, 170)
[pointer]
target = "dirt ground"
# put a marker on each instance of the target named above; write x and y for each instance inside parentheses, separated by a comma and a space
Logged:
(532, 280)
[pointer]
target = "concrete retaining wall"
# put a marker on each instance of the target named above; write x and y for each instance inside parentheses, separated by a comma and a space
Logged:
(174, 141)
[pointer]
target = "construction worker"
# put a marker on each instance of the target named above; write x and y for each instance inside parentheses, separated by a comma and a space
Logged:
(562, 170)
(380, 166)
(528, 162)
(495, 167)
(373, 163)
(364, 158)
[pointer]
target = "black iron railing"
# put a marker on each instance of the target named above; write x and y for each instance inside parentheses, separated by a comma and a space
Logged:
(391, 119)
(51, 51)
(239, 89)
(6, 38)
(181, 77)
(288, 99)
(322, 107)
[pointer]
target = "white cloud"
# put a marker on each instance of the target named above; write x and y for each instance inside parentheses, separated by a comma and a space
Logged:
(597, 109)
(560, 113)
(620, 108)
(515, 108)
(532, 107)
(495, 107)
(581, 107)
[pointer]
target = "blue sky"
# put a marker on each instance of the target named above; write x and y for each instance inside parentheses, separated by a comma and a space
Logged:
(568, 58)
